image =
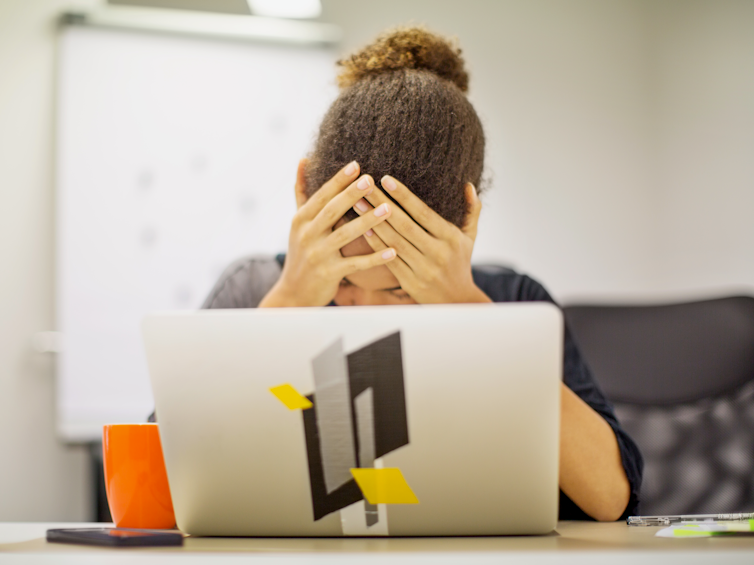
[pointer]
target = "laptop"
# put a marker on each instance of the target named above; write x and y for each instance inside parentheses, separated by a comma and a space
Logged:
(359, 421)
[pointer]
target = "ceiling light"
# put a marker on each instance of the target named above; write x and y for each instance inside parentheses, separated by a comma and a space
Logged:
(286, 8)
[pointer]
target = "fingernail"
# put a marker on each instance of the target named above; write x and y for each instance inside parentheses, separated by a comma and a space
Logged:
(350, 168)
(389, 254)
(363, 184)
(362, 206)
(381, 210)
(388, 183)
(369, 233)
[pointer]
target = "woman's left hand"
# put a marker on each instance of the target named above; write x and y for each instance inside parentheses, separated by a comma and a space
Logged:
(434, 256)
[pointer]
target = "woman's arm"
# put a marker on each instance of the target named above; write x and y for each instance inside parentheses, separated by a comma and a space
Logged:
(591, 469)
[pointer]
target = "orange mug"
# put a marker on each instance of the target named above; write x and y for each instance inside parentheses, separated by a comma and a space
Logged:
(135, 478)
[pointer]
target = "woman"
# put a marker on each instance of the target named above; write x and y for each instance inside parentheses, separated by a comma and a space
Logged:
(402, 116)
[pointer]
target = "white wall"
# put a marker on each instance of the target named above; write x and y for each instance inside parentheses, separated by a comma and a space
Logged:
(40, 479)
(703, 97)
(621, 142)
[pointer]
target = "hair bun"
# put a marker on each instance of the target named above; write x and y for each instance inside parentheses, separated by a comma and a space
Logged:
(406, 48)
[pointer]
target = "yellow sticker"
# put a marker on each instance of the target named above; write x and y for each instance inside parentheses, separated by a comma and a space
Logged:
(290, 397)
(384, 486)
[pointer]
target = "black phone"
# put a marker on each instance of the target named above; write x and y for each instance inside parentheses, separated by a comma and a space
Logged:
(116, 537)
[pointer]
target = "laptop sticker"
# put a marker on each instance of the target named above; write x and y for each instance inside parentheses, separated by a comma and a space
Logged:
(334, 419)
(357, 414)
(384, 486)
(291, 397)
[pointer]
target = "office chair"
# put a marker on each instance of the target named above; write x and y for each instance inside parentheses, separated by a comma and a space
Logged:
(681, 378)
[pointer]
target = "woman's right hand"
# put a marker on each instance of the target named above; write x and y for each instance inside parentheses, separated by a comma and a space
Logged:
(314, 266)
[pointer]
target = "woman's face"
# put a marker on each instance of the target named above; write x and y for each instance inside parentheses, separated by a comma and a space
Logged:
(373, 287)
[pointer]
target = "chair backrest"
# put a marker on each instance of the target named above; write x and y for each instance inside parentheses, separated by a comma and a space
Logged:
(681, 377)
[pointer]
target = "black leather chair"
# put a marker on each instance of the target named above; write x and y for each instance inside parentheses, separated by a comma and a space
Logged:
(681, 377)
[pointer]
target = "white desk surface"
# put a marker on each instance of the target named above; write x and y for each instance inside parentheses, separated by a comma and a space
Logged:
(583, 543)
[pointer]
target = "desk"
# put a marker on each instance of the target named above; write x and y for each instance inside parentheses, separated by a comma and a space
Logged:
(582, 543)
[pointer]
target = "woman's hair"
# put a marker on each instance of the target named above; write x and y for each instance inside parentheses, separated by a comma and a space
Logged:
(402, 111)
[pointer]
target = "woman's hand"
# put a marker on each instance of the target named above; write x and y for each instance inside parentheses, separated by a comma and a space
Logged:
(314, 266)
(434, 256)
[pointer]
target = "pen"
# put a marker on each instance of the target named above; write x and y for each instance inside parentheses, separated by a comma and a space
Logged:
(689, 518)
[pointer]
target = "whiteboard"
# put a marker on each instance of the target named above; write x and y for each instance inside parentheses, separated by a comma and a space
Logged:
(175, 156)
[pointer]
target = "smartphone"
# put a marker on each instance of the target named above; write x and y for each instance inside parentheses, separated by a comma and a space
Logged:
(116, 537)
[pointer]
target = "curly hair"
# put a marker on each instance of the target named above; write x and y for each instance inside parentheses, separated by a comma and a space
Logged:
(402, 111)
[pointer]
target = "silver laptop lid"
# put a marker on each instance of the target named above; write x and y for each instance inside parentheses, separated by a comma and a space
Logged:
(405, 420)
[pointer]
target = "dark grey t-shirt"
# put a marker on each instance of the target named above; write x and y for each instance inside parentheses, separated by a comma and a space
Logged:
(246, 281)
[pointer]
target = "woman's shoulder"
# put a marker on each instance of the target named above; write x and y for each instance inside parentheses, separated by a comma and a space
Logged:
(503, 284)
(245, 282)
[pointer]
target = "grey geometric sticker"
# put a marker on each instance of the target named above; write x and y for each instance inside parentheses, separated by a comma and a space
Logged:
(358, 415)
(334, 421)
(364, 405)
